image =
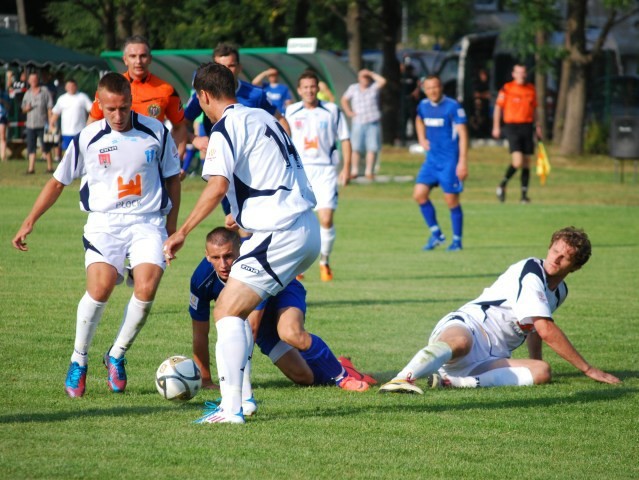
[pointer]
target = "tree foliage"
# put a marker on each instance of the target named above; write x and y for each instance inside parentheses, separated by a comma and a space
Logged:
(445, 21)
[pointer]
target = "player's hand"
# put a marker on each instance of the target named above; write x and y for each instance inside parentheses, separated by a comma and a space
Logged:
(172, 245)
(19, 241)
(344, 178)
(229, 222)
(462, 171)
(182, 175)
(496, 132)
(425, 145)
(601, 376)
(201, 143)
(209, 385)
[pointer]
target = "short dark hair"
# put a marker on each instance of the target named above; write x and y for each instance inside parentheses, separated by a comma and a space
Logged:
(215, 79)
(432, 77)
(135, 39)
(115, 83)
(225, 50)
(308, 74)
(578, 240)
(222, 236)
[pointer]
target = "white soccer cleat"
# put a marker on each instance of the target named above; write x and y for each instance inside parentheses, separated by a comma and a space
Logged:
(400, 385)
(249, 406)
(218, 415)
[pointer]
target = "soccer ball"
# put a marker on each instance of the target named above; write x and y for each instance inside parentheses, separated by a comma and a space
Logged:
(178, 378)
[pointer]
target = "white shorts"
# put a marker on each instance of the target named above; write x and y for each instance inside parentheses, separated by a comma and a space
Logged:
(269, 261)
(323, 179)
(112, 238)
(482, 351)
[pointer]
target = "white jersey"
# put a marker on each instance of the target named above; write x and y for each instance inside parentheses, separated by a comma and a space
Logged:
(268, 188)
(506, 309)
(73, 111)
(122, 172)
(315, 132)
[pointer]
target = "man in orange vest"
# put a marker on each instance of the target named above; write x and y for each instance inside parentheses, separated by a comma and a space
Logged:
(518, 102)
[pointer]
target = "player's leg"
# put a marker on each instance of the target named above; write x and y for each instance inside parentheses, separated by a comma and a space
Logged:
(295, 368)
(504, 372)
(515, 161)
(451, 340)
(421, 194)
(46, 153)
(456, 220)
(327, 239)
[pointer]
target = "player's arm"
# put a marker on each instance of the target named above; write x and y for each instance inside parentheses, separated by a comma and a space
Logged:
(556, 339)
(180, 136)
(462, 164)
(420, 129)
(283, 122)
(534, 344)
(345, 174)
(48, 196)
(210, 198)
(497, 121)
(201, 351)
(174, 190)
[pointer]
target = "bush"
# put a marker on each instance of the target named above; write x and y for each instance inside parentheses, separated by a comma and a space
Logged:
(596, 138)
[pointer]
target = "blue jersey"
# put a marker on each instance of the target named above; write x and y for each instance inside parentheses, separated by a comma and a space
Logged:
(440, 120)
(206, 287)
(247, 94)
(277, 95)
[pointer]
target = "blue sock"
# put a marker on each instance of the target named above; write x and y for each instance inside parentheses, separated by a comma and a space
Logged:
(326, 368)
(430, 217)
(457, 219)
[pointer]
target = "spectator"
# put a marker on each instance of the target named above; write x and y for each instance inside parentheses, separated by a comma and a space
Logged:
(410, 96)
(37, 104)
(278, 94)
(361, 103)
(72, 108)
(479, 120)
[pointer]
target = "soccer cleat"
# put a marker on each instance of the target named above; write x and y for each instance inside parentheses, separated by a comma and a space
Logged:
(116, 374)
(353, 372)
(76, 380)
(299, 277)
(501, 193)
(434, 241)
(218, 415)
(455, 246)
(400, 385)
(326, 275)
(437, 380)
(525, 200)
(249, 406)
(352, 384)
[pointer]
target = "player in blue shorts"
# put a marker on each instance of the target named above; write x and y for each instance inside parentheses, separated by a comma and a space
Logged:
(302, 357)
(441, 130)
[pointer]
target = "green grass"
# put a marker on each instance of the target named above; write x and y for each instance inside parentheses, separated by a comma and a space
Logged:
(386, 297)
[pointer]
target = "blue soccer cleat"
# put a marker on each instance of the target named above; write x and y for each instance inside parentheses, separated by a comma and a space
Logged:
(76, 380)
(455, 246)
(116, 374)
(434, 241)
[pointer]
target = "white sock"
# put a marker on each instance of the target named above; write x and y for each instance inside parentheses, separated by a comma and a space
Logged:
(135, 315)
(426, 361)
(327, 237)
(88, 317)
(232, 349)
(247, 388)
(506, 377)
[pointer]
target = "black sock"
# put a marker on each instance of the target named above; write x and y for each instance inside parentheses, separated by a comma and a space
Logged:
(510, 171)
(525, 180)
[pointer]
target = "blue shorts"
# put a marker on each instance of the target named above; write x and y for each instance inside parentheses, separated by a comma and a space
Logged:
(365, 137)
(294, 295)
(445, 176)
(66, 140)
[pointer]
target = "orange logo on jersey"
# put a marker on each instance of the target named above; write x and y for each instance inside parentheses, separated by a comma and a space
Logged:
(311, 143)
(134, 187)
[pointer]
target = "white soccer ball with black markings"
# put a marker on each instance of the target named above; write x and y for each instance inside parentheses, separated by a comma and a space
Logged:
(178, 378)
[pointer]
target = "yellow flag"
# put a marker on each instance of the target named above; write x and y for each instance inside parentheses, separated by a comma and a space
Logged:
(543, 165)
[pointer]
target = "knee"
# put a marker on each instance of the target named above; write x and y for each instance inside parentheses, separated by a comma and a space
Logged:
(297, 339)
(541, 373)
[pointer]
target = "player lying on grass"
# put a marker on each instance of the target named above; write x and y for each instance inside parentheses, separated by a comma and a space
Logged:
(472, 346)
(301, 356)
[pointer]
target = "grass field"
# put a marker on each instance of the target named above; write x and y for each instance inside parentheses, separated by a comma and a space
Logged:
(386, 297)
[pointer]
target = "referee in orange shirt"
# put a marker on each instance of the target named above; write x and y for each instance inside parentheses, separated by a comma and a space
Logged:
(152, 96)
(518, 102)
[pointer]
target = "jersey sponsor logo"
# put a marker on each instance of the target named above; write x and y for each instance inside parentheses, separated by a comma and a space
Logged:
(104, 159)
(108, 149)
(434, 122)
(194, 301)
(150, 155)
(128, 204)
(250, 269)
(131, 188)
(154, 110)
(299, 124)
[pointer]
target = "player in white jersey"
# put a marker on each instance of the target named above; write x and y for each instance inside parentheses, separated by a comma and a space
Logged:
(316, 127)
(471, 347)
(252, 162)
(129, 168)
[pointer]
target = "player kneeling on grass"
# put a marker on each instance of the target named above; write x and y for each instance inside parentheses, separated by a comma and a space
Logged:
(279, 321)
(472, 346)
(129, 167)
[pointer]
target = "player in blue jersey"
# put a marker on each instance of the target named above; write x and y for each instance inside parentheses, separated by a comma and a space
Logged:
(246, 94)
(441, 130)
(472, 346)
(302, 357)
(251, 160)
(130, 187)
